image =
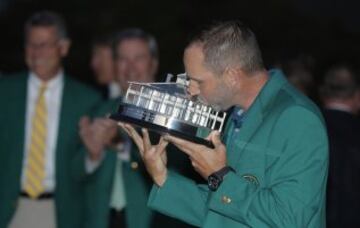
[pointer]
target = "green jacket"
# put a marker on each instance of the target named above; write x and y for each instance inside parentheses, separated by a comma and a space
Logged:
(77, 101)
(100, 183)
(280, 156)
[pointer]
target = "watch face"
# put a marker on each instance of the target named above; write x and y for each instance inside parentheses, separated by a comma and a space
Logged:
(213, 182)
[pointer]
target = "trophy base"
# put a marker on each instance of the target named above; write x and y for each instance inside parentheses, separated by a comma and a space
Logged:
(158, 123)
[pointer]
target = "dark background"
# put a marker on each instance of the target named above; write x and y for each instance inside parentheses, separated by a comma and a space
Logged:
(325, 31)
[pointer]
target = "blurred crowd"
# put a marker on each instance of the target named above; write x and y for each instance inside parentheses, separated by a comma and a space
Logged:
(59, 168)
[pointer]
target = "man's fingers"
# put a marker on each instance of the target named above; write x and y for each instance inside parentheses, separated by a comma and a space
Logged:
(84, 132)
(175, 140)
(122, 125)
(215, 138)
(136, 137)
(146, 139)
(209, 136)
(103, 123)
(130, 129)
(161, 146)
(193, 163)
(185, 146)
(85, 127)
(109, 123)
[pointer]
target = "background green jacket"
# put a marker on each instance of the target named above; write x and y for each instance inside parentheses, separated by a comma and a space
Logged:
(77, 101)
(136, 181)
(280, 156)
(99, 185)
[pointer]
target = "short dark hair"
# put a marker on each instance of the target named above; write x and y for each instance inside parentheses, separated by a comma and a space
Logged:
(339, 82)
(230, 43)
(137, 33)
(47, 19)
(105, 40)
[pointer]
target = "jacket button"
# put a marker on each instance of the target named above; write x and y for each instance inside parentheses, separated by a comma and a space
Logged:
(226, 200)
(134, 165)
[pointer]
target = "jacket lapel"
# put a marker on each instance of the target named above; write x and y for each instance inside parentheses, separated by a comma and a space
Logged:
(18, 125)
(64, 128)
(257, 112)
(250, 126)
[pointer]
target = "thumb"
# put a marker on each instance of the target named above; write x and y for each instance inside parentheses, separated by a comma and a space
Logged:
(215, 139)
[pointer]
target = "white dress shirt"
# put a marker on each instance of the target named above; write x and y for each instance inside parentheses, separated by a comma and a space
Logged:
(53, 95)
(114, 90)
(118, 199)
(338, 106)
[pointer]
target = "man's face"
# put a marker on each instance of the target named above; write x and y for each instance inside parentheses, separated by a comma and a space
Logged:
(44, 51)
(134, 62)
(102, 64)
(209, 87)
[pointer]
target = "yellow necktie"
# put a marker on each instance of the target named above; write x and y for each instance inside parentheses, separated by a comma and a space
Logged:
(35, 169)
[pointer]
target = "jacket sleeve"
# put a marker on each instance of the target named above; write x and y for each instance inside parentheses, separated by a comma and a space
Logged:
(79, 167)
(180, 198)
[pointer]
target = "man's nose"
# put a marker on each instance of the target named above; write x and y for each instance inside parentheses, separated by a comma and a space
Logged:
(192, 89)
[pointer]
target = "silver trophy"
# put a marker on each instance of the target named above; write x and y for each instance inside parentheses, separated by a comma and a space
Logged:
(168, 108)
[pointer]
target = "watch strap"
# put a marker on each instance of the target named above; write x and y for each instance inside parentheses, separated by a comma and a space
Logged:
(223, 171)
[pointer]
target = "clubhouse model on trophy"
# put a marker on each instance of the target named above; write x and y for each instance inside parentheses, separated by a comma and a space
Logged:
(166, 107)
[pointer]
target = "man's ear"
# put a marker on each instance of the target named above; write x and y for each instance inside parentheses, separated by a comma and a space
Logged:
(231, 77)
(64, 47)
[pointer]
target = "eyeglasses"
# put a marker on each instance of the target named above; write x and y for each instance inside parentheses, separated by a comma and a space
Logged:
(43, 45)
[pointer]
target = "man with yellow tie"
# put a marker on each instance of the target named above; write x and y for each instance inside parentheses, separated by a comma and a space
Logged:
(40, 111)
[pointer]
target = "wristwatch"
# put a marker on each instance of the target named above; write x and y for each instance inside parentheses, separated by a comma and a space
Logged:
(216, 178)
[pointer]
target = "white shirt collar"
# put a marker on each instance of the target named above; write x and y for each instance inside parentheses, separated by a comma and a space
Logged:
(52, 83)
(114, 90)
(339, 107)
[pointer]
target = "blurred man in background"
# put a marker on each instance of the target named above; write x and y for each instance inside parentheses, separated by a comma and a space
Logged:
(136, 57)
(39, 137)
(103, 66)
(117, 189)
(341, 102)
